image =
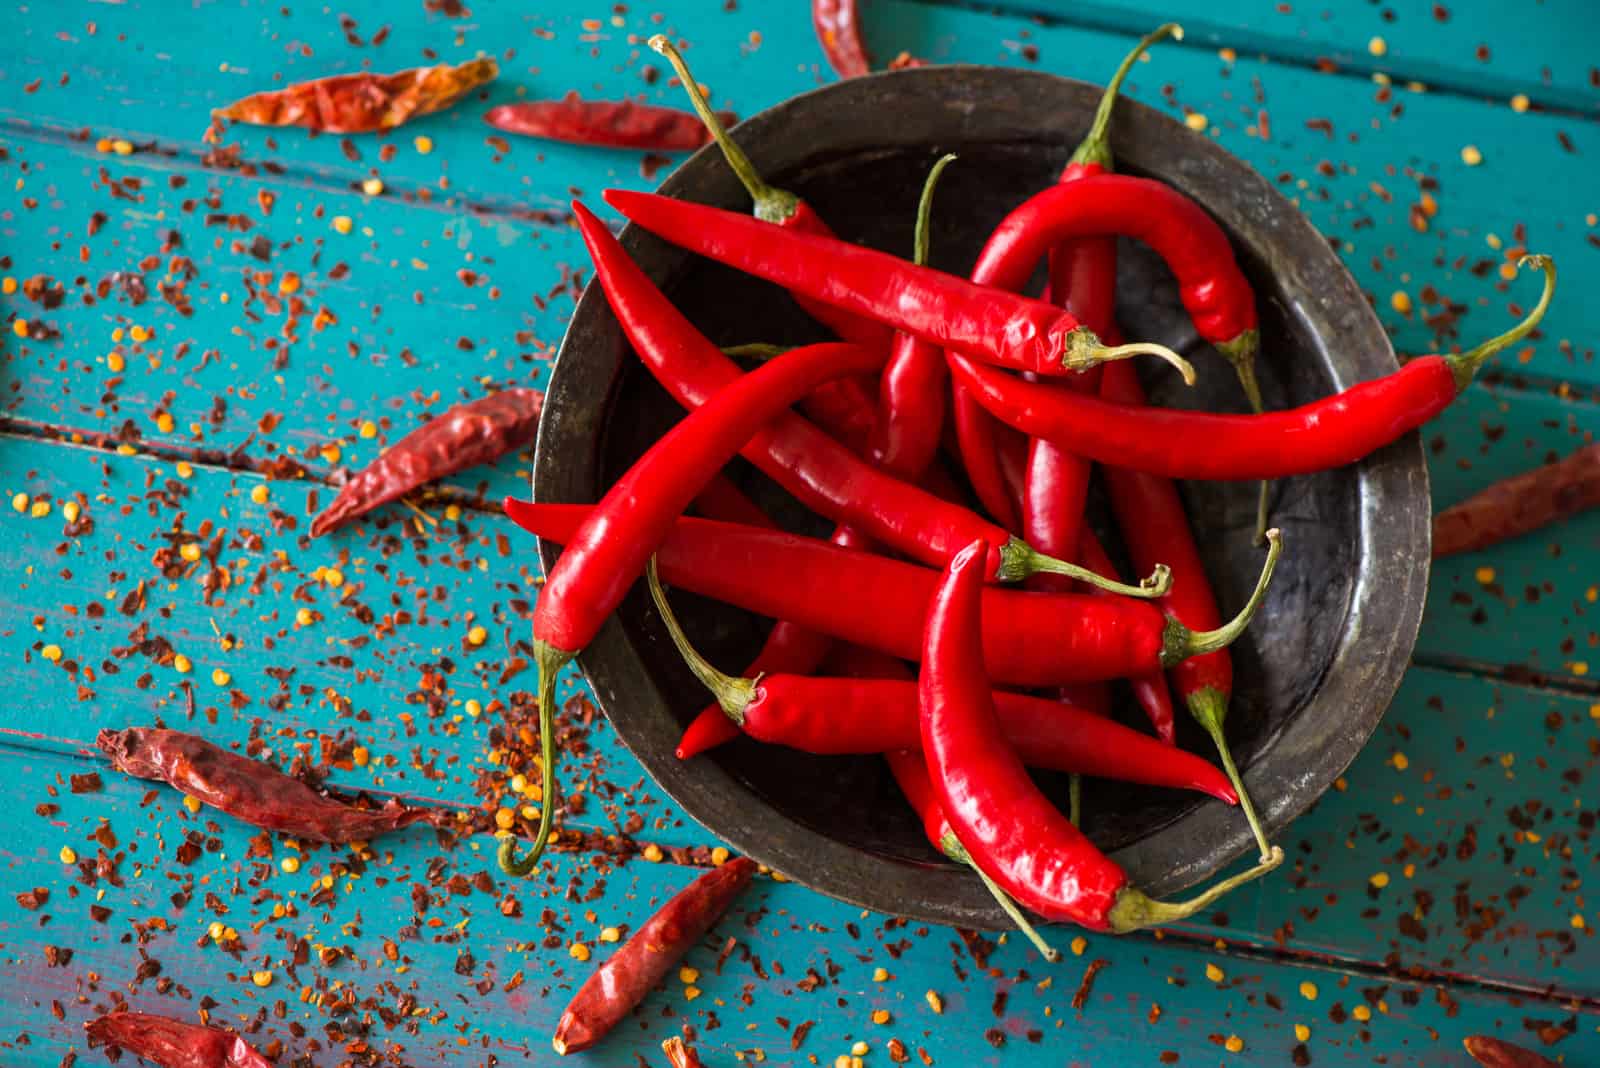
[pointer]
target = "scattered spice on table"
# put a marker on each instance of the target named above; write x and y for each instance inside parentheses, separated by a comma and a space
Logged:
(1494, 1052)
(477, 432)
(1520, 504)
(172, 1043)
(362, 103)
(252, 791)
(1080, 997)
(619, 984)
(608, 123)
(680, 1054)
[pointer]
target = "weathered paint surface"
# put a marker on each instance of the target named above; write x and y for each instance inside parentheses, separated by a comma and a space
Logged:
(1439, 892)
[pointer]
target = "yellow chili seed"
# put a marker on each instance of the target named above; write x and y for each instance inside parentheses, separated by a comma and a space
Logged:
(652, 853)
(610, 934)
(880, 975)
(579, 951)
(1213, 973)
(164, 422)
(115, 362)
(70, 511)
(860, 1049)
(219, 677)
(1362, 1013)
(369, 429)
(1308, 990)
(1380, 879)
(8, 286)
(1400, 301)
(68, 855)
(935, 1002)
(474, 707)
(423, 143)
(182, 664)
(1195, 121)
(121, 147)
(304, 617)
(477, 636)
(342, 223)
(289, 283)
(185, 470)
(360, 755)
(1400, 762)
(261, 978)
(20, 502)
(260, 494)
(138, 333)
(51, 653)
(40, 509)
(504, 818)
(290, 864)
(690, 993)
(1471, 156)
(519, 784)
(215, 931)
(1079, 944)
(190, 551)
(1301, 1032)
(372, 187)
(19, 327)
(688, 975)
(191, 802)
(880, 1016)
(1377, 46)
(1234, 1044)
(1520, 102)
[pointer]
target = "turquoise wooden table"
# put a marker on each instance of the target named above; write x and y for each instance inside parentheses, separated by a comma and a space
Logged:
(175, 410)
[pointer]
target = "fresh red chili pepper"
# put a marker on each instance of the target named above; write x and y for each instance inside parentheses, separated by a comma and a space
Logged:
(1149, 689)
(249, 790)
(1009, 829)
(1153, 521)
(838, 26)
(477, 432)
(606, 123)
(602, 559)
(723, 501)
(824, 475)
(953, 313)
(834, 716)
(1324, 434)
(1494, 1052)
(1030, 639)
(680, 1054)
(619, 984)
(1520, 504)
(982, 456)
(779, 206)
(173, 1043)
(362, 103)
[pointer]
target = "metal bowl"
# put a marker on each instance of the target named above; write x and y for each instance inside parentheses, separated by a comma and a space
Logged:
(1314, 673)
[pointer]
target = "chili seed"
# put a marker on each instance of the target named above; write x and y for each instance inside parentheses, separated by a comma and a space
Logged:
(1400, 301)
(71, 511)
(220, 677)
(261, 978)
(1308, 990)
(181, 664)
(652, 853)
(20, 502)
(1079, 944)
(184, 469)
(610, 934)
(369, 429)
(935, 1002)
(68, 855)
(1195, 121)
(880, 975)
(1213, 973)
(360, 755)
(121, 147)
(115, 362)
(191, 802)
(579, 951)
(1234, 1044)
(477, 636)
(372, 187)
(880, 1016)
(1380, 879)
(290, 864)
(1301, 1032)
(139, 333)
(687, 974)
(1400, 762)
(860, 1049)
(51, 653)
(19, 327)
(214, 932)
(474, 707)
(40, 509)
(690, 993)
(1471, 156)
(719, 856)
(260, 494)
(1519, 103)
(8, 286)
(304, 617)
(504, 818)
(1362, 1013)
(190, 551)
(333, 577)
(423, 143)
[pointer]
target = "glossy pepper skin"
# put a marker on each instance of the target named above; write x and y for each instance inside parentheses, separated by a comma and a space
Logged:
(1008, 827)
(1150, 690)
(1030, 639)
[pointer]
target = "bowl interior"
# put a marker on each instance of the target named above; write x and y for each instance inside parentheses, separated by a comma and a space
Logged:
(839, 823)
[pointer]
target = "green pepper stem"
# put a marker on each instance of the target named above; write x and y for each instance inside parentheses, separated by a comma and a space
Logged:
(923, 237)
(1085, 350)
(732, 694)
(1019, 560)
(755, 350)
(1241, 352)
(952, 848)
(1096, 145)
(1209, 707)
(1179, 643)
(771, 203)
(1133, 909)
(550, 661)
(1075, 800)
(1467, 364)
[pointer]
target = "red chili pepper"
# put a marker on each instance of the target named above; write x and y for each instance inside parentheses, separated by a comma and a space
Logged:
(953, 313)
(1324, 434)
(619, 984)
(603, 558)
(838, 26)
(249, 790)
(1149, 689)
(1520, 504)
(1030, 639)
(1009, 829)
(361, 103)
(1153, 521)
(478, 432)
(173, 1043)
(834, 716)
(680, 1054)
(606, 123)
(824, 475)
(1494, 1052)
(779, 206)
(723, 501)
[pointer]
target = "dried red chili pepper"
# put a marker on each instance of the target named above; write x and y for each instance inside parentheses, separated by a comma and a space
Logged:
(1494, 1052)
(782, 207)
(605, 556)
(680, 1054)
(838, 26)
(1009, 829)
(249, 790)
(1030, 639)
(172, 1043)
(834, 716)
(362, 103)
(953, 313)
(1324, 434)
(619, 984)
(477, 432)
(606, 123)
(1520, 504)
(824, 475)
(1151, 516)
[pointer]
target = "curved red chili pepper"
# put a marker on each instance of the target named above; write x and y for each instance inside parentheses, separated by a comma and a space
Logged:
(173, 1043)
(827, 477)
(1324, 434)
(606, 123)
(604, 557)
(951, 312)
(834, 716)
(1149, 689)
(1009, 829)
(775, 205)
(1030, 639)
(837, 23)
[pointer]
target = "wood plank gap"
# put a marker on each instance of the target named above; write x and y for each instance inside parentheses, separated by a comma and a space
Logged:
(1511, 674)
(190, 159)
(1205, 35)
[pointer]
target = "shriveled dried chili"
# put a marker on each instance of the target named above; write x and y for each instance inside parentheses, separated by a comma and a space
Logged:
(477, 432)
(173, 1043)
(838, 26)
(680, 1054)
(619, 984)
(608, 123)
(1520, 504)
(362, 103)
(1494, 1052)
(249, 790)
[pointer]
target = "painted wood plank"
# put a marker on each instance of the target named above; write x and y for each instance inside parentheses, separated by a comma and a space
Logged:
(421, 931)
(305, 640)
(1469, 47)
